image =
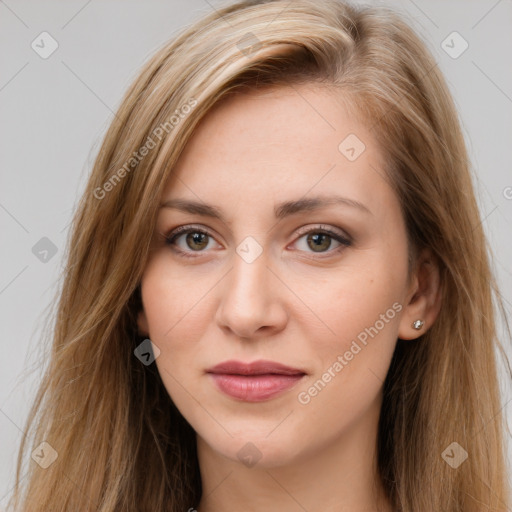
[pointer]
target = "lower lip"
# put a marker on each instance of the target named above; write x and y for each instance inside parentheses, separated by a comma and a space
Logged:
(254, 388)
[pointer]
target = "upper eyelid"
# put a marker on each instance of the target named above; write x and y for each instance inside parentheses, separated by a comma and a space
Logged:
(323, 227)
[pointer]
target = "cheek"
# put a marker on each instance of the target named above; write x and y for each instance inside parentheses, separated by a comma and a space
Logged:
(171, 319)
(355, 298)
(351, 365)
(178, 308)
(360, 312)
(360, 353)
(178, 313)
(173, 300)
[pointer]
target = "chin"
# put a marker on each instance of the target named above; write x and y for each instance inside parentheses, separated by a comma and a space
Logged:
(258, 450)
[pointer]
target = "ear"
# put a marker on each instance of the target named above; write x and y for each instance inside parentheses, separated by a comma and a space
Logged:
(142, 323)
(423, 301)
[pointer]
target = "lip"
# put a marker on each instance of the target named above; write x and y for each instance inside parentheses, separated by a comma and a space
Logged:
(256, 381)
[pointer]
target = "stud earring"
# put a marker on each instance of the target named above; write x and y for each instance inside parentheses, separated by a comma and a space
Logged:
(418, 324)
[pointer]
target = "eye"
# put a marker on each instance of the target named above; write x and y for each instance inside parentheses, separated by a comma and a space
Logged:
(320, 240)
(187, 240)
(194, 240)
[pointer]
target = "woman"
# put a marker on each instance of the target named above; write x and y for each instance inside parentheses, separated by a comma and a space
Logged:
(278, 294)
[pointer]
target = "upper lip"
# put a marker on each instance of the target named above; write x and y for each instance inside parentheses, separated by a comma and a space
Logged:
(254, 368)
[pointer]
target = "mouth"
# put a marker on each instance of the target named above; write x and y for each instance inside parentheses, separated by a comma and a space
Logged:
(256, 381)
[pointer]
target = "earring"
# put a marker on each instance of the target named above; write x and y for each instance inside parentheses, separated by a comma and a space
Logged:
(418, 324)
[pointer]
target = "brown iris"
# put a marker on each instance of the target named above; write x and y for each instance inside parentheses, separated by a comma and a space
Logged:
(320, 241)
(199, 240)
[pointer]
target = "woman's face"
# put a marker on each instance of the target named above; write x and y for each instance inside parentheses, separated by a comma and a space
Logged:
(303, 264)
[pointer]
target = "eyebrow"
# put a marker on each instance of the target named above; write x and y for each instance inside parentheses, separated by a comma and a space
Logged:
(281, 210)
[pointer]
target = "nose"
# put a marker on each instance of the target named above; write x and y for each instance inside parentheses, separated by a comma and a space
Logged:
(251, 303)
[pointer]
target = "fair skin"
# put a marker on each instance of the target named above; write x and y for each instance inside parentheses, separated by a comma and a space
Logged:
(297, 303)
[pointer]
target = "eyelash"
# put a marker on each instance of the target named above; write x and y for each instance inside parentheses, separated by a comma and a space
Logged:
(170, 239)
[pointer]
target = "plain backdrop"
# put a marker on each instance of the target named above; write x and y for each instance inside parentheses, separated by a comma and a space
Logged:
(55, 110)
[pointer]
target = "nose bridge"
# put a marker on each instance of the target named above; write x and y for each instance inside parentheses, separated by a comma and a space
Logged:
(248, 280)
(248, 300)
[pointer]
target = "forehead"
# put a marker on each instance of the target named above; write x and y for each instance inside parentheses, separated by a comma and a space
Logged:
(279, 142)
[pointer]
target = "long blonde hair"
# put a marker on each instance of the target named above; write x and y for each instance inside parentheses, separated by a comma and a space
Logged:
(121, 443)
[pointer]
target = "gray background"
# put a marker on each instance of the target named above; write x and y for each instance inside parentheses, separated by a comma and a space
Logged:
(56, 110)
